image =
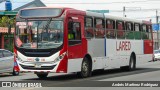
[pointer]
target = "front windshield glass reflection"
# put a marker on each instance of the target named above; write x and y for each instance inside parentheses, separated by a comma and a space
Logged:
(39, 34)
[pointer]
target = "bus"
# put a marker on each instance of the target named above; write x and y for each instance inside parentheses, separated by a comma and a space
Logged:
(65, 40)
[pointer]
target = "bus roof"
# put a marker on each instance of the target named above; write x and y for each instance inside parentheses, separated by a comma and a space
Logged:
(100, 15)
(46, 7)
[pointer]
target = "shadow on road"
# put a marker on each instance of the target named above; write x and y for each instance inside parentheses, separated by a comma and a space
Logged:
(118, 73)
(97, 75)
(9, 75)
(5, 75)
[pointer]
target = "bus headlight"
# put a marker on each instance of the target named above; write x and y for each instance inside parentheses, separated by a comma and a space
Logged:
(60, 57)
(19, 59)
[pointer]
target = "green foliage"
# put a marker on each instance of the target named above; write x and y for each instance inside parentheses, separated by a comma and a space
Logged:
(5, 21)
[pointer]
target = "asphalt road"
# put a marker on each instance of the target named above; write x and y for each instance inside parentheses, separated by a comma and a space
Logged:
(148, 72)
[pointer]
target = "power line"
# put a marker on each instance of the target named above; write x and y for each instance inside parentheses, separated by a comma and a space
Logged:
(144, 17)
(136, 1)
(130, 10)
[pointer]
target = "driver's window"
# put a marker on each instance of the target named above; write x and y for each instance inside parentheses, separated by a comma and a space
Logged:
(74, 32)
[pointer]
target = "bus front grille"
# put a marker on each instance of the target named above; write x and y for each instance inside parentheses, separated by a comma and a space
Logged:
(34, 68)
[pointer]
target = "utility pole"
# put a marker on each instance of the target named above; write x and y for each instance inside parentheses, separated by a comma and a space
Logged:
(124, 9)
(157, 17)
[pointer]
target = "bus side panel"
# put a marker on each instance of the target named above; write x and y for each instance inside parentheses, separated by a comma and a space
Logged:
(119, 51)
(74, 64)
(148, 47)
(142, 59)
(96, 48)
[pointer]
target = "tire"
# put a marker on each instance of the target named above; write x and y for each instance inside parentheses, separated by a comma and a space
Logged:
(85, 68)
(132, 63)
(131, 66)
(15, 73)
(42, 76)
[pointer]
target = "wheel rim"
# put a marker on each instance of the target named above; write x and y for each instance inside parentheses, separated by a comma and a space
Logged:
(15, 72)
(132, 64)
(85, 68)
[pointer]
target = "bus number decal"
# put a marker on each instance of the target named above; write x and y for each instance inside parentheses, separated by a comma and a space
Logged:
(123, 46)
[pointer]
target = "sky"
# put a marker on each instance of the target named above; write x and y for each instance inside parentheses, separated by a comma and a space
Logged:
(104, 4)
(136, 9)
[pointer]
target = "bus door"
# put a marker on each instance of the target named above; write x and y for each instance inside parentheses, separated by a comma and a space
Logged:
(75, 37)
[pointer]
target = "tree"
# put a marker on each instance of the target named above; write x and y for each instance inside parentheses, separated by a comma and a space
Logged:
(5, 21)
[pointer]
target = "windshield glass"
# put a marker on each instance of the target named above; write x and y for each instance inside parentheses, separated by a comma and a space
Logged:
(39, 34)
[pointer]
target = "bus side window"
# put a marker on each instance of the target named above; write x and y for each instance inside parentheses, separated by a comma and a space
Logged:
(150, 31)
(120, 25)
(137, 33)
(99, 28)
(110, 32)
(89, 32)
(120, 29)
(129, 26)
(144, 28)
(129, 30)
(144, 31)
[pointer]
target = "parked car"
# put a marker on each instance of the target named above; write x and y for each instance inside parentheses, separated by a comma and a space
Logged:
(7, 62)
(156, 54)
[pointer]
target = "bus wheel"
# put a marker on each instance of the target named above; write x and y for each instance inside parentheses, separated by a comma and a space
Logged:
(15, 73)
(85, 68)
(42, 76)
(132, 63)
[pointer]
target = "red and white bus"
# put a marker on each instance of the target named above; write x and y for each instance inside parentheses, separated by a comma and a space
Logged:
(64, 40)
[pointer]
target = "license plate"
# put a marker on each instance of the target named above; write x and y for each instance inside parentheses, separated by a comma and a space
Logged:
(37, 65)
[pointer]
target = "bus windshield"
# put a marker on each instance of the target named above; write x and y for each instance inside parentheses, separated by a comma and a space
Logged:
(39, 34)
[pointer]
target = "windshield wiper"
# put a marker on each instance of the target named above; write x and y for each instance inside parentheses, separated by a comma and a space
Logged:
(47, 25)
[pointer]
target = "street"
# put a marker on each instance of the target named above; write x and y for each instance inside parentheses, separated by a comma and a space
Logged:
(147, 72)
